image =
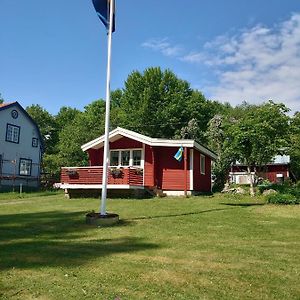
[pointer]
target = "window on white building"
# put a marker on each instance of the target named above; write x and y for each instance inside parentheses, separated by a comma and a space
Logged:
(25, 166)
(35, 142)
(12, 133)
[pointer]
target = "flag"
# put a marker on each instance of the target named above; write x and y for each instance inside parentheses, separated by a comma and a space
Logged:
(102, 8)
(179, 154)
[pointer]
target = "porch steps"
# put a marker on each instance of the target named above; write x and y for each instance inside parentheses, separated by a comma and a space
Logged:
(156, 192)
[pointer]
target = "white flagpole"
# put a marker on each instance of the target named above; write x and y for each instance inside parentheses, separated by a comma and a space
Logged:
(107, 111)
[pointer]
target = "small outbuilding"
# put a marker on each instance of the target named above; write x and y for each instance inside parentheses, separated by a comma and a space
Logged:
(141, 163)
(276, 171)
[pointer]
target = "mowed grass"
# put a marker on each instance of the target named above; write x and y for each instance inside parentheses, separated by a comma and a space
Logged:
(219, 247)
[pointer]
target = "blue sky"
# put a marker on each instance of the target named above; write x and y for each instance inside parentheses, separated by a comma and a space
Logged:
(53, 53)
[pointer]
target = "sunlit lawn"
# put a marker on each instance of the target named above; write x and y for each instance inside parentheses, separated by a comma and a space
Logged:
(171, 248)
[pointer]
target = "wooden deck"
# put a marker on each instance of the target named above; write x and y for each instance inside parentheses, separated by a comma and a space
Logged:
(91, 177)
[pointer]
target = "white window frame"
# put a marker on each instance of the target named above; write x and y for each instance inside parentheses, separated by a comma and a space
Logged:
(27, 167)
(131, 157)
(120, 158)
(132, 164)
(202, 165)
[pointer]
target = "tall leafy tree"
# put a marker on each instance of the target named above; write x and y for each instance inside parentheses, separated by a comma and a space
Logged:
(200, 112)
(258, 135)
(47, 126)
(66, 116)
(155, 103)
(217, 134)
(295, 146)
(86, 126)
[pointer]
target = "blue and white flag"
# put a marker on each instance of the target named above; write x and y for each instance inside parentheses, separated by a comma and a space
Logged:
(102, 8)
(179, 154)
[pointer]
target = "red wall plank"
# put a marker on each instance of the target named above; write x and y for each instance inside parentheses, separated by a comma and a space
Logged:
(170, 172)
(202, 183)
(149, 167)
(125, 143)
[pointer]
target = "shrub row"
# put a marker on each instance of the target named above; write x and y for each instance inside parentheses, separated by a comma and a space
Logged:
(286, 193)
(282, 199)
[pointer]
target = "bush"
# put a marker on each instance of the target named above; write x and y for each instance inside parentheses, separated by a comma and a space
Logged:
(285, 188)
(282, 199)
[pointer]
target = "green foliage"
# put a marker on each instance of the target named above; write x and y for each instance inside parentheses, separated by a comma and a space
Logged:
(66, 116)
(1, 99)
(282, 189)
(295, 146)
(86, 126)
(46, 124)
(282, 199)
(251, 134)
(217, 136)
(260, 132)
(155, 102)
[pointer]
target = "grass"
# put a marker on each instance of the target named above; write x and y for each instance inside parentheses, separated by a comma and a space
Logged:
(221, 247)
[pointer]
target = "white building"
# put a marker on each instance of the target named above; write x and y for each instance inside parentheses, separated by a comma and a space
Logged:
(21, 148)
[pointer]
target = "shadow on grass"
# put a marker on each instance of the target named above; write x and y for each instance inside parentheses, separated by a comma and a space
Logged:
(178, 215)
(243, 204)
(35, 240)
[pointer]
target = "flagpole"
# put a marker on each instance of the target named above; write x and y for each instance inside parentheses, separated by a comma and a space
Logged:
(107, 111)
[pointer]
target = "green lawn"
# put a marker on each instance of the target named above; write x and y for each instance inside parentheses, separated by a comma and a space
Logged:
(171, 248)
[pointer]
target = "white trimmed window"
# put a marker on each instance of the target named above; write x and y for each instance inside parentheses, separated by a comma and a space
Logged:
(126, 158)
(202, 164)
(25, 166)
(12, 133)
(114, 158)
(136, 158)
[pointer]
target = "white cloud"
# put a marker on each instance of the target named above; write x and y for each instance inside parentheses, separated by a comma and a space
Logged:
(256, 64)
(163, 46)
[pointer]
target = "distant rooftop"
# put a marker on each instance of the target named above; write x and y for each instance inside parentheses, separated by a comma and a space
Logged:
(277, 160)
(5, 104)
(281, 159)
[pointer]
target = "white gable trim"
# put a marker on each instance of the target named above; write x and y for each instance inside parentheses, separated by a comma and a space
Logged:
(118, 132)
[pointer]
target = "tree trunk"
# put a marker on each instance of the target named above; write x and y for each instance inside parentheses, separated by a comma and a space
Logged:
(252, 193)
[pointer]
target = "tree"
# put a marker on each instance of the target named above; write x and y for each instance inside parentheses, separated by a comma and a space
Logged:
(1, 99)
(86, 126)
(258, 135)
(154, 103)
(47, 126)
(295, 146)
(191, 131)
(65, 116)
(217, 136)
(201, 111)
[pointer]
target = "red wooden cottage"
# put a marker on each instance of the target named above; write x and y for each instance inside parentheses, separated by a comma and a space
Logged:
(138, 162)
(276, 171)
